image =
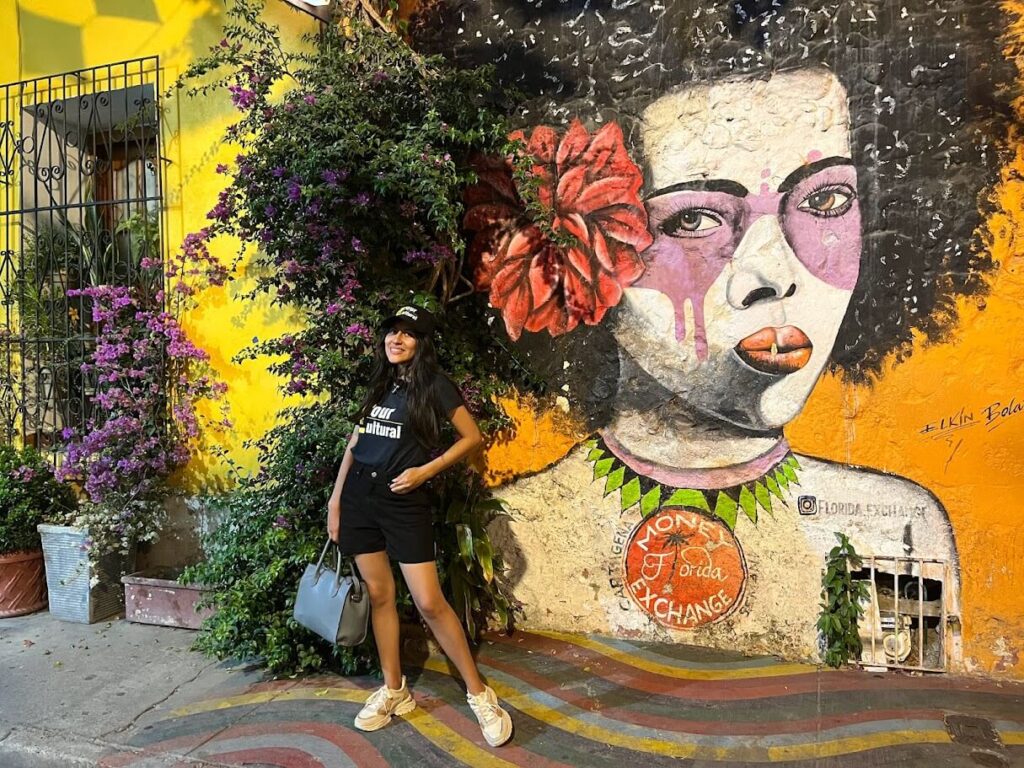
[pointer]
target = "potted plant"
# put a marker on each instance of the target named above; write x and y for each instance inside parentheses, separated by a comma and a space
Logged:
(122, 458)
(28, 494)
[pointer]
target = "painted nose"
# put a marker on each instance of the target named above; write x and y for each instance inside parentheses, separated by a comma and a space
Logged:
(762, 267)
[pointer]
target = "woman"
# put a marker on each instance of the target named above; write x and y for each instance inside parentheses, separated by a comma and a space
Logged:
(380, 511)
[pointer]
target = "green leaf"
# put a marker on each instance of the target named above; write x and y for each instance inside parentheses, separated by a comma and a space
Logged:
(763, 497)
(602, 467)
(773, 487)
(748, 504)
(485, 557)
(590, 444)
(614, 481)
(790, 474)
(630, 494)
(781, 479)
(650, 501)
(455, 511)
(792, 461)
(688, 498)
(465, 537)
(727, 509)
(595, 454)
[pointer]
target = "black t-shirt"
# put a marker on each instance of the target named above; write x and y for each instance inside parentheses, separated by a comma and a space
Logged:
(386, 439)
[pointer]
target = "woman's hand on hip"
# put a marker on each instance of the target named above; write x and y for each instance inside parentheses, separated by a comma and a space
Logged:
(410, 480)
(334, 519)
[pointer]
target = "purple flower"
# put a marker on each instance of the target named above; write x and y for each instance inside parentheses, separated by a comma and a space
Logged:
(359, 330)
(270, 210)
(278, 172)
(361, 199)
(309, 98)
(379, 77)
(333, 177)
(282, 522)
(221, 168)
(241, 97)
(333, 308)
(294, 190)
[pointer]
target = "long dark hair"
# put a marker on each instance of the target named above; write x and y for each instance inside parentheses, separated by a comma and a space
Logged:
(426, 416)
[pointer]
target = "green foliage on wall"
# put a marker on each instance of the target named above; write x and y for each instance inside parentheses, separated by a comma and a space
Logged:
(842, 600)
(347, 198)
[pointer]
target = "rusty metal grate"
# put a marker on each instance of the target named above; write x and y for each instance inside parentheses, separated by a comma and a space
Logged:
(904, 625)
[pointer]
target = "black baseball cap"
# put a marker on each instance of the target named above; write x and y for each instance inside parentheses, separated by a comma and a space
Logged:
(416, 318)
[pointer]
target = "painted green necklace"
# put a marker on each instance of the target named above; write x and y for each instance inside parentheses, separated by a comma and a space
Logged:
(724, 503)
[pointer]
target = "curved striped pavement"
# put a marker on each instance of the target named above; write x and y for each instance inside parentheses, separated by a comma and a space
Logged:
(593, 701)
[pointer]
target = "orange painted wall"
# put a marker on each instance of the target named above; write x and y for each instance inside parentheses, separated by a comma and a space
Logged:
(975, 471)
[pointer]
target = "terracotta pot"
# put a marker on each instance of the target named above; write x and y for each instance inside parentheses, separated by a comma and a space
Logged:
(22, 583)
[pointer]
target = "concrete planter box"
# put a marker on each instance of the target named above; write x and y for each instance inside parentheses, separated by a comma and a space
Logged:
(22, 583)
(69, 576)
(154, 596)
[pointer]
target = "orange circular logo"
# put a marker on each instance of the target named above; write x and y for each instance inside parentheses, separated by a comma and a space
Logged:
(684, 569)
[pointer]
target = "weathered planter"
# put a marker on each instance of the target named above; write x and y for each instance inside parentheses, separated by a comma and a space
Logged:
(69, 575)
(154, 596)
(22, 583)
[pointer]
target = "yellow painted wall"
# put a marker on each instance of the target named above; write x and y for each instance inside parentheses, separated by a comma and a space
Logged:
(47, 37)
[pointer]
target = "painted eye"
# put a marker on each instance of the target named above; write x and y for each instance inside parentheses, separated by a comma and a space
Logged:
(829, 201)
(691, 222)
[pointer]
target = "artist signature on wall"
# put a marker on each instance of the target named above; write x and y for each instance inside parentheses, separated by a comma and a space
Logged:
(989, 417)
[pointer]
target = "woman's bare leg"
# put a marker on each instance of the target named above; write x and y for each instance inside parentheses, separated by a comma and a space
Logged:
(426, 593)
(375, 568)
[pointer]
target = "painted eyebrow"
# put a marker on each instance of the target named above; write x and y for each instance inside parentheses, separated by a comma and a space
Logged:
(703, 185)
(736, 189)
(804, 171)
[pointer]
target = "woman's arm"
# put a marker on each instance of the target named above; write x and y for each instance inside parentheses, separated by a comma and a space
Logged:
(334, 503)
(469, 441)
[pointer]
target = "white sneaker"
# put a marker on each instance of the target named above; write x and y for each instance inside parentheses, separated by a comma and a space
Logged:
(494, 721)
(382, 704)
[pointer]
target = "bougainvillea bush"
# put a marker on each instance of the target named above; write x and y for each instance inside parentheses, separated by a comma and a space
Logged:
(149, 379)
(346, 192)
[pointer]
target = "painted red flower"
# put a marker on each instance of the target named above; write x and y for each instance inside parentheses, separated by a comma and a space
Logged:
(591, 186)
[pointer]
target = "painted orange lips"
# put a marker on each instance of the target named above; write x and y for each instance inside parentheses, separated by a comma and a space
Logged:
(776, 350)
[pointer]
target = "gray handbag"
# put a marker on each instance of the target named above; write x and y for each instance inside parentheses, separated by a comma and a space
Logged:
(331, 605)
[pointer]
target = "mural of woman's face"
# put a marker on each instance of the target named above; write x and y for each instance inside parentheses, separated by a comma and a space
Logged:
(752, 201)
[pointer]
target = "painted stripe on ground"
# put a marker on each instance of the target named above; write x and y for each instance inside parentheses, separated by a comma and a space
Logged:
(545, 708)
(712, 721)
(682, 660)
(429, 727)
(745, 714)
(669, 670)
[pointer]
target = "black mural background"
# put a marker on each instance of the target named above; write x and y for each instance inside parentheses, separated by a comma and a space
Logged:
(929, 95)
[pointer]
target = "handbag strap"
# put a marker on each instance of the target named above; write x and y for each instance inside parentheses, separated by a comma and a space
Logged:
(357, 584)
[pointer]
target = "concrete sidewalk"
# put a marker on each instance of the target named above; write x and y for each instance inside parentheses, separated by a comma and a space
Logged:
(120, 694)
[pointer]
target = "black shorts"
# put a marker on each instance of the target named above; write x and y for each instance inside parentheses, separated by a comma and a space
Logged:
(375, 519)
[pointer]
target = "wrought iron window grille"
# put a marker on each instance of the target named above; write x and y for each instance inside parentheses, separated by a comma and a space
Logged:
(81, 185)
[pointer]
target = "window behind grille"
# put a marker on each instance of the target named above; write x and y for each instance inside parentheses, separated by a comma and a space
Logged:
(80, 205)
